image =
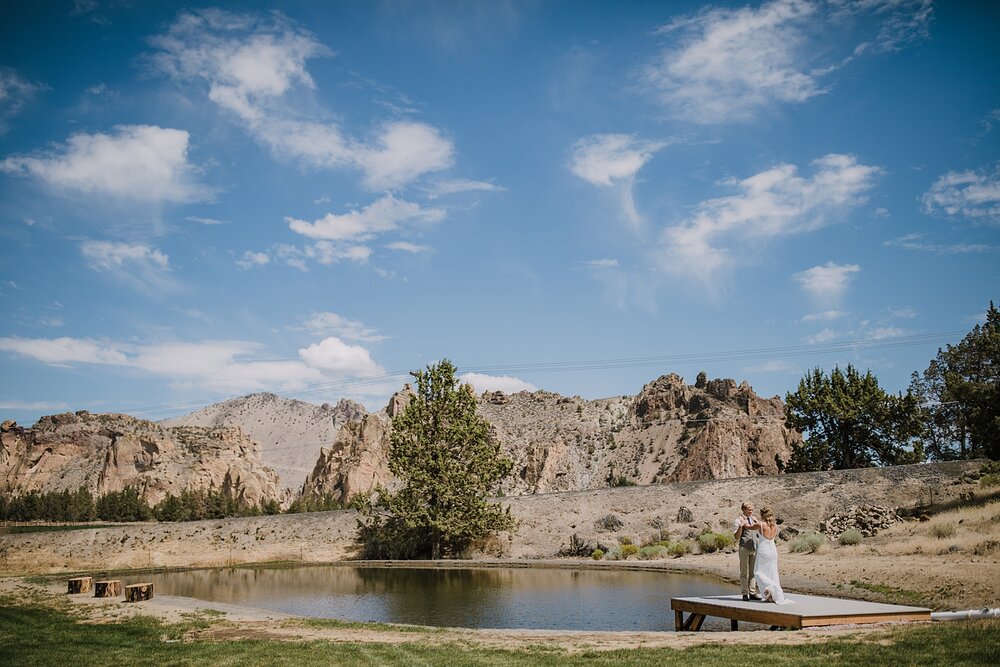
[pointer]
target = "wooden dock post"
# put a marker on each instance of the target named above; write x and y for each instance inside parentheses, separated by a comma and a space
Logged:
(108, 589)
(78, 585)
(138, 592)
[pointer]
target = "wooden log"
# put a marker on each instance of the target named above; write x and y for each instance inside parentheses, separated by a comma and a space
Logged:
(138, 592)
(108, 589)
(79, 585)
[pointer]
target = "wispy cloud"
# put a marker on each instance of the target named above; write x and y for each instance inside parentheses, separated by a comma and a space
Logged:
(457, 186)
(827, 283)
(206, 221)
(405, 246)
(137, 265)
(31, 406)
(773, 203)
(824, 336)
(613, 160)
(252, 63)
(381, 216)
(251, 259)
(825, 316)
(916, 242)
(604, 263)
(213, 365)
(973, 195)
(504, 383)
(15, 94)
(135, 162)
(730, 65)
(327, 323)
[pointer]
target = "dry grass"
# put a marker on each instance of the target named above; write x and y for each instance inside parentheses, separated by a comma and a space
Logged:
(961, 530)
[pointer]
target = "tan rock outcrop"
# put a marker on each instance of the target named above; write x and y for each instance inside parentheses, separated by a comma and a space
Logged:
(109, 452)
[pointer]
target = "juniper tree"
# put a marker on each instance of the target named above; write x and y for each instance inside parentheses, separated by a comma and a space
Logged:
(450, 464)
(848, 421)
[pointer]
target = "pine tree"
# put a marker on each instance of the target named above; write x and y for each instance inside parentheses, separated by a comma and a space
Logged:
(450, 464)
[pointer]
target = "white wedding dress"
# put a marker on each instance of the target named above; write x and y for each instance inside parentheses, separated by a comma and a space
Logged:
(765, 571)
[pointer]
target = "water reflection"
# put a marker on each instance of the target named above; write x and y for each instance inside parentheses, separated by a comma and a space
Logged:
(474, 598)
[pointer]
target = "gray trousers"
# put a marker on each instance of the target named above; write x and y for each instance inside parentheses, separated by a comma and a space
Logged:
(747, 560)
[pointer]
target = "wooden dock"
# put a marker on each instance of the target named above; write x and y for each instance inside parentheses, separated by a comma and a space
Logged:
(807, 611)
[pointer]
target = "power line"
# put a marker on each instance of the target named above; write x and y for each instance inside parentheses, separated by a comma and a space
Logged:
(750, 354)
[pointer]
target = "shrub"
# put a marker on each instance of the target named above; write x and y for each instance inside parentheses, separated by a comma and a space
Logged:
(993, 479)
(709, 541)
(624, 539)
(943, 530)
(808, 542)
(678, 549)
(614, 553)
(850, 537)
(577, 547)
(629, 550)
(597, 555)
(653, 552)
(724, 541)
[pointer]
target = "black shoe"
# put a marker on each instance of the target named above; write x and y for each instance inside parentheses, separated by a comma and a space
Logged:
(755, 597)
(746, 598)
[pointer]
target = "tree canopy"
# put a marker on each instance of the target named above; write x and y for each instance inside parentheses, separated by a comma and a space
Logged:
(848, 421)
(449, 463)
(960, 391)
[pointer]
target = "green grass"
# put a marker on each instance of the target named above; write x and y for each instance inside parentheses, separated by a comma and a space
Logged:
(891, 592)
(35, 635)
(14, 530)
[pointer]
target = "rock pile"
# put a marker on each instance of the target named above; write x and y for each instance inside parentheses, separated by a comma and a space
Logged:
(868, 519)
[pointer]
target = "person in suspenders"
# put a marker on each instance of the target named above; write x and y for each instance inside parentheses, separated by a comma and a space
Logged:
(745, 534)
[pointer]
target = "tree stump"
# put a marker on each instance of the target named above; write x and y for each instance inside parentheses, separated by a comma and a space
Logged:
(138, 592)
(79, 585)
(108, 589)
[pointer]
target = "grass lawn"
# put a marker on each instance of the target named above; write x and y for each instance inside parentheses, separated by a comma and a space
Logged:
(39, 635)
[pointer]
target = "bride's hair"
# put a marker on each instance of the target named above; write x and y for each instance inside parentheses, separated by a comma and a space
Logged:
(767, 515)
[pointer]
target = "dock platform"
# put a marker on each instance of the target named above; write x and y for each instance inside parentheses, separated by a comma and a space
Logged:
(806, 611)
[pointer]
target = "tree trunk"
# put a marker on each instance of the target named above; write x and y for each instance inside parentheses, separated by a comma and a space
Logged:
(138, 592)
(79, 585)
(108, 589)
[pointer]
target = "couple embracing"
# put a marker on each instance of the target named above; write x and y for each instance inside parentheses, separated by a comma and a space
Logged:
(758, 555)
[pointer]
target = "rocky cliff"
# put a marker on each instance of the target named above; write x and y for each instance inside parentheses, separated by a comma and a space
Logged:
(669, 432)
(108, 452)
(290, 432)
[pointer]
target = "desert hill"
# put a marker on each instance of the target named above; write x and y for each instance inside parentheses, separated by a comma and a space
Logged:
(109, 452)
(290, 432)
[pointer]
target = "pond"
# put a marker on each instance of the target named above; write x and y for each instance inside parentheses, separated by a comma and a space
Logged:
(539, 598)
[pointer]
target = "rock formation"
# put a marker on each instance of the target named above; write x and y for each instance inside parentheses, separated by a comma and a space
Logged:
(670, 432)
(109, 452)
(290, 432)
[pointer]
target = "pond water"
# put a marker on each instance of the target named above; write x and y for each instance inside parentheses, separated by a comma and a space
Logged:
(541, 598)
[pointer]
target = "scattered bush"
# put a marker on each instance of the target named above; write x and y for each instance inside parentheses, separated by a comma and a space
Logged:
(597, 555)
(653, 552)
(993, 479)
(577, 547)
(850, 537)
(614, 553)
(709, 541)
(624, 539)
(943, 530)
(808, 542)
(629, 550)
(681, 548)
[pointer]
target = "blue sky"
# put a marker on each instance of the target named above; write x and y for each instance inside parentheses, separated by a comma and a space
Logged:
(312, 198)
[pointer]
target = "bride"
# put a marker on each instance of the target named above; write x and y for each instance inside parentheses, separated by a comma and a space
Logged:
(765, 570)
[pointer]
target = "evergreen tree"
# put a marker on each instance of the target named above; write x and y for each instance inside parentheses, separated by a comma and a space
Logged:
(960, 390)
(848, 421)
(449, 463)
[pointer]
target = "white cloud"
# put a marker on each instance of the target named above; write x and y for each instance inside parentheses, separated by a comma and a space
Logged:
(33, 406)
(605, 263)
(824, 336)
(974, 195)
(916, 242)
(136, 162)
(251, 64)
(214, 365)
(825, 316)
(445, 188)
(335, 356)
(504, 383)
(900, 22)
(326, 323)
(383, 215)
(774, 203)
(251, 259)
(408, 247)
(138, 265)
(881, 333)
(727, 65)
(206, 221)
(603, 159)
(15, 94)
(827, 283)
